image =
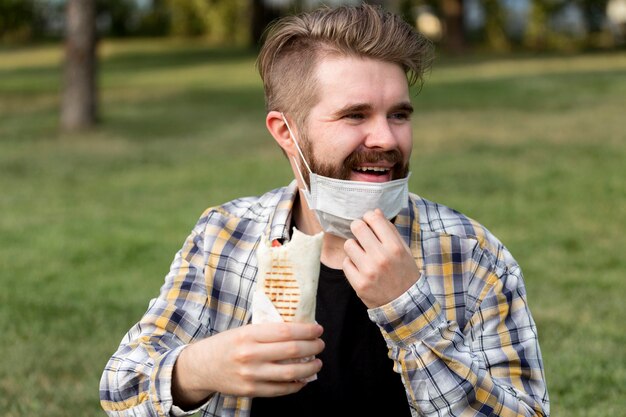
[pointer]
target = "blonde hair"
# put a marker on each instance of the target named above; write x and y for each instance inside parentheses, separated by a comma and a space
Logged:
(294, 45)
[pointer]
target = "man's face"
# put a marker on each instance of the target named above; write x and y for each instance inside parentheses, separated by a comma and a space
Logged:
(360, 129)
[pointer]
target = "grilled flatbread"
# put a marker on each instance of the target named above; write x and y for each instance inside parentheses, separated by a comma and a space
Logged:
(287, 278)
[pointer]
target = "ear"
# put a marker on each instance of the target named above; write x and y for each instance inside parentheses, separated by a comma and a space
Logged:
(278, 129)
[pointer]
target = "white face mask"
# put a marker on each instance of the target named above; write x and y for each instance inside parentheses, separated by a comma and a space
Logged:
(337, 203)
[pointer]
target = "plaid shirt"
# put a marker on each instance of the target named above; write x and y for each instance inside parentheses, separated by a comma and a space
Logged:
(462, 337)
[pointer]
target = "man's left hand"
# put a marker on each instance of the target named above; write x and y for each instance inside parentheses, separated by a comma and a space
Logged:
(379, 265)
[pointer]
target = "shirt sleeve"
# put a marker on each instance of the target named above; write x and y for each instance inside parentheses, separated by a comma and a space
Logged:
(492, 367)
(137, 379)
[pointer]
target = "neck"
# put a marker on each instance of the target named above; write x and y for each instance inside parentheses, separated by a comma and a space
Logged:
(305, 220)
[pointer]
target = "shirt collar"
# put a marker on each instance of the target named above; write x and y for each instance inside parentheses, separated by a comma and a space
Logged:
(280, 223)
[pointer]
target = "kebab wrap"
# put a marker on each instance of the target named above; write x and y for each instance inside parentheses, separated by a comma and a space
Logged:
(287, 280)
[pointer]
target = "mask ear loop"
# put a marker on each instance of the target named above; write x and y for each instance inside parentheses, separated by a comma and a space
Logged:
(293, 137)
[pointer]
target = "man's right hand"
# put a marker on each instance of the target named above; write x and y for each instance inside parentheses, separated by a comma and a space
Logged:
(246, 361)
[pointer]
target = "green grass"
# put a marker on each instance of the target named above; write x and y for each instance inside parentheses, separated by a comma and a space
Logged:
(532, 147)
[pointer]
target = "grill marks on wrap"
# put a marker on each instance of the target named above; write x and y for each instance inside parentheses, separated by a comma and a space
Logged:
(282, 288)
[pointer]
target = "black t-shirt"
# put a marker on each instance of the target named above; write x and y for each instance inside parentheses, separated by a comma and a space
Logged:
(357, 376)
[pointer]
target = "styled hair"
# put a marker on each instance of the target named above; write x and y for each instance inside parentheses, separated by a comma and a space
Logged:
(295, 44)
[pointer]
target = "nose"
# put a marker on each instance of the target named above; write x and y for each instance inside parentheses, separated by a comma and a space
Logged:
(380, 135)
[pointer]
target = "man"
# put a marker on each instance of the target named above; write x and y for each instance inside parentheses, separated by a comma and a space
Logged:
(401, 278)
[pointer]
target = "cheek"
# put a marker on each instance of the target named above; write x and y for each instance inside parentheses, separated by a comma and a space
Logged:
(407, 149)
(342, 145)
(405, 142)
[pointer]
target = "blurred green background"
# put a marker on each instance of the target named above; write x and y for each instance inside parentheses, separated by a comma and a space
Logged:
(530, 144)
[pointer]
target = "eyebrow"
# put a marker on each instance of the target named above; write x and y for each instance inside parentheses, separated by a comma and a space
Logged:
(363, 107)
(404, 106)
(352, 108)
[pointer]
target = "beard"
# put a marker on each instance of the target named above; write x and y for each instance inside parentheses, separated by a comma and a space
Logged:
(354, 160)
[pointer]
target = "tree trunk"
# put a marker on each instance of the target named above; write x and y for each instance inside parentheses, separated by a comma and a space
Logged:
(454, 40)
(595, 14)
(79, 100)
(261, 16)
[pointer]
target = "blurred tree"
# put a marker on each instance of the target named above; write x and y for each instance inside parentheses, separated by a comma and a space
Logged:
(297, 6)
(454, 39)
(119, 15)
(226, 21)
(595, 14)
(218, 20)
(185, 18)
(540, 33)
(536, 28)
(443, 21)
(406, 10)
(155, 21)
(16, 19)
(261, 16)
(495, 33)
(79, 96)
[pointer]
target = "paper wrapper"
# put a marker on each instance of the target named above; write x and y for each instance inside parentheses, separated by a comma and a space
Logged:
(287, 280)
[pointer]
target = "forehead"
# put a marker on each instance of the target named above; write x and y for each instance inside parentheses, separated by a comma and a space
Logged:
(345, 80)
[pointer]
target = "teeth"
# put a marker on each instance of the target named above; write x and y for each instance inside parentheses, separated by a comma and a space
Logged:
(376, 169)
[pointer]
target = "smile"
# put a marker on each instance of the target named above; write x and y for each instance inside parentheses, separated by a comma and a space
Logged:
(371, 174)
(372, 169)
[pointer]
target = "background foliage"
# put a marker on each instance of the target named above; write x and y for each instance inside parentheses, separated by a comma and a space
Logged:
(236, 21)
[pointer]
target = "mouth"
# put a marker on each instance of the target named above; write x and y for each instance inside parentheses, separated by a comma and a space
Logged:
(371, 173)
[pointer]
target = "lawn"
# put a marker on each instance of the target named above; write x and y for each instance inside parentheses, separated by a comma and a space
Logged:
(532, 147)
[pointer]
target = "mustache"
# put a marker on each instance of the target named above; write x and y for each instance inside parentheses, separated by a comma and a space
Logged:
(369, 156)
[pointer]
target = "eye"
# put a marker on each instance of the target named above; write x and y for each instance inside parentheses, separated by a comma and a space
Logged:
(354, 116)
(400, 115)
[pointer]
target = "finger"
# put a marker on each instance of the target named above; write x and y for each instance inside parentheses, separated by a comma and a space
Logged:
(275, 389)
(382, 228)
(365, 236)
(395, 231)
(289, 372)
(351, 271)
(280, 332)
(399, 239)
(355, 252)
(274, 352)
